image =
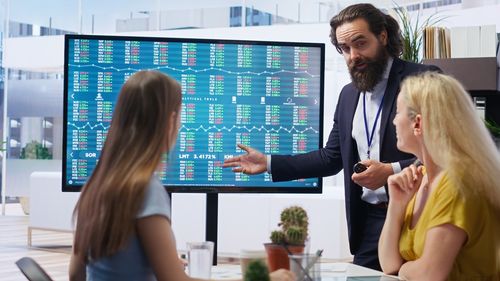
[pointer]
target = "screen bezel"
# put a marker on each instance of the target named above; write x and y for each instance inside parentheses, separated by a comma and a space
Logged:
(194, 188)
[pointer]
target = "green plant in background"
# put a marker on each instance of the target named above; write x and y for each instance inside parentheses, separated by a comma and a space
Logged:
(3, 147)
(35, 150)
(257, 271)
(413, 32)
(294, 227)
(493, 127)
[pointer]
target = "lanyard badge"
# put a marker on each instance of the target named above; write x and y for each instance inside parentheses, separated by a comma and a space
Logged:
(369, 137)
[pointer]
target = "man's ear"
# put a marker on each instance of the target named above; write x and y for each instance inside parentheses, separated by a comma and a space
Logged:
(383, 37)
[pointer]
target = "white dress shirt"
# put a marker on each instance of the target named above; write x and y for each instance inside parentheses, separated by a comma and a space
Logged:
(373, 100)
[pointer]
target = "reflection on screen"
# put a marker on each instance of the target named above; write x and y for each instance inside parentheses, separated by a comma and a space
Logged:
(262, 94)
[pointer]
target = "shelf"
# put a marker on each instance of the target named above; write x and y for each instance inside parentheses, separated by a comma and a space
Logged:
(479, 77)
(483, 93)
(476, 74)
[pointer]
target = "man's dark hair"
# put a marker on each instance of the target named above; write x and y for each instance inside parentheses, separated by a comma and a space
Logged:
(377, 21)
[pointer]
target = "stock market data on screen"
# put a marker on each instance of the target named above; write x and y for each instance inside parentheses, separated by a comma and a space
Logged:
(261, 94)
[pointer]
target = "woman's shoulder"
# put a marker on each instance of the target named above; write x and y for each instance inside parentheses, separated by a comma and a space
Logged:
(452, 202)
(445, 186)
(156, 200)
(449, 189)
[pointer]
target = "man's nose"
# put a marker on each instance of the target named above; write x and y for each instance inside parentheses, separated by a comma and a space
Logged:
(354, 54)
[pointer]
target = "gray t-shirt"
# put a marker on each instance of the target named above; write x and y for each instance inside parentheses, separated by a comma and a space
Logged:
(131, 262)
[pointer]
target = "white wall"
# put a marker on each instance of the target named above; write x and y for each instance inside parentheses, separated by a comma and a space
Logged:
(206, 18)
(484, 15)
(246, 221)
(44, 53)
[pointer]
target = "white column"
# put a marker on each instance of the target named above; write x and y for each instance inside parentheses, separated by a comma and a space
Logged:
(80, 17)
(57, 130)
(5, 121)
(31, 130)
(158, 15)
(243, 13)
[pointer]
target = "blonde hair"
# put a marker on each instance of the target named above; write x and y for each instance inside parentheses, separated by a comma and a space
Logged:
(454, 135)
(138, 135)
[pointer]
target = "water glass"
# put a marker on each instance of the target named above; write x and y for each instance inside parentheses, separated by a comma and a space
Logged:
(200, 258)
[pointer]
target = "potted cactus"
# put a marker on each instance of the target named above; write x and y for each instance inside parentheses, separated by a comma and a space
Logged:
(289, 239)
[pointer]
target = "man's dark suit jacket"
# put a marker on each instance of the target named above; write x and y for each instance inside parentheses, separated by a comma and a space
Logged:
(341, 152)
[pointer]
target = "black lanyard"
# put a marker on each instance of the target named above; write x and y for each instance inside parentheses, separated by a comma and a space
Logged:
(369, 137)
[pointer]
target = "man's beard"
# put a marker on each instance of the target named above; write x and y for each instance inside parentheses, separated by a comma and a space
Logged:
(366, 79)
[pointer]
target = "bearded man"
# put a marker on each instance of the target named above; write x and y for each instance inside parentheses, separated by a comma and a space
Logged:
(362, 132)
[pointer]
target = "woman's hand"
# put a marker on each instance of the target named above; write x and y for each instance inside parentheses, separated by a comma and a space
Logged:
(282, 275)
(403, 185)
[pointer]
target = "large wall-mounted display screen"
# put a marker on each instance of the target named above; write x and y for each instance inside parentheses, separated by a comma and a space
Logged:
(268, 95)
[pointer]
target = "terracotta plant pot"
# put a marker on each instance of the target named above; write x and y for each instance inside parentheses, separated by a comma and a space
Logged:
(277, 255)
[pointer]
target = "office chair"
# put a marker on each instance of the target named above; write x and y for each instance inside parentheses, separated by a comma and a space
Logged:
(32, 270)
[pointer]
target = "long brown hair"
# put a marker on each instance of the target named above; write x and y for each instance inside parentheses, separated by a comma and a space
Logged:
(377, 21)
(138, 135)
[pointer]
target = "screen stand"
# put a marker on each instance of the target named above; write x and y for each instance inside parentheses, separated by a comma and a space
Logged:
(211, 221)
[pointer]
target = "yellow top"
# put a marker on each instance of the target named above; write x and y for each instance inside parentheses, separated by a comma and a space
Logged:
(477, 260)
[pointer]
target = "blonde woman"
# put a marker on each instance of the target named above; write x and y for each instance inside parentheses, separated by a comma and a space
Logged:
(442, 219)
(123, 227)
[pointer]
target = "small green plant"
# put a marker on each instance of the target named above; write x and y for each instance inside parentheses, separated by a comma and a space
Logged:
(413, 32)
(278, 237)
(3, 147)
(294, 227)
(35, 150)
(257, 271)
